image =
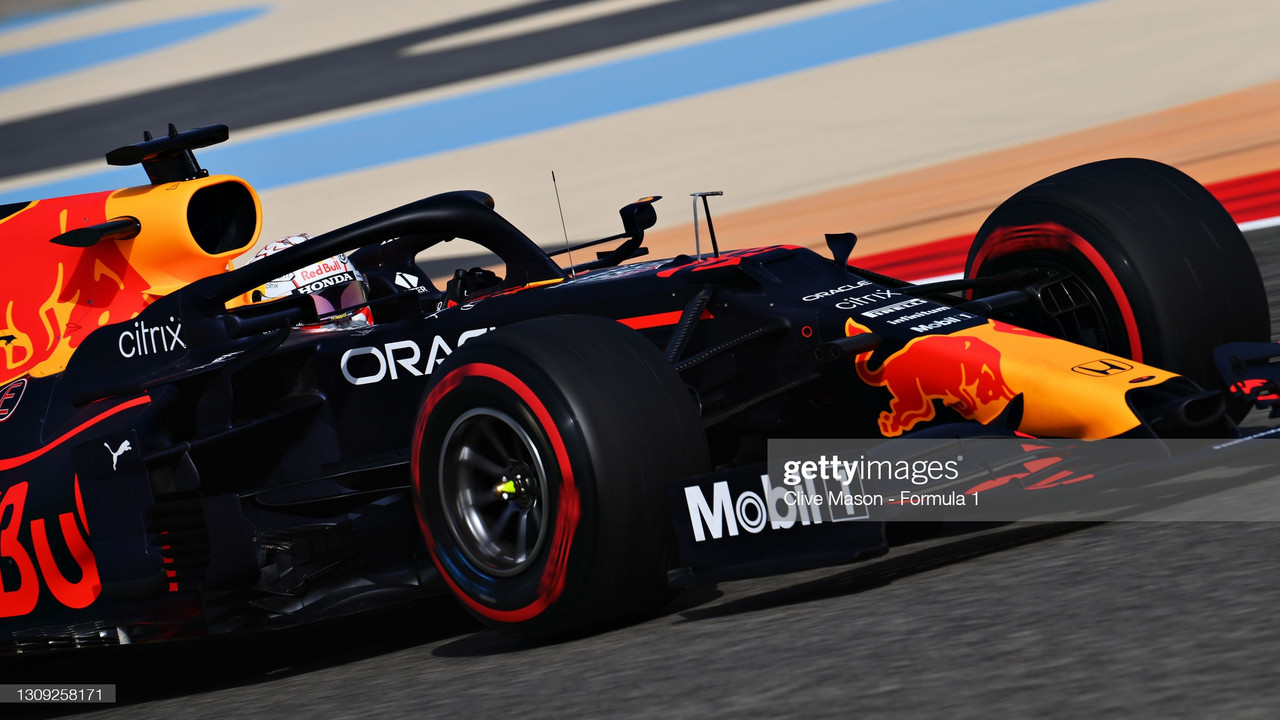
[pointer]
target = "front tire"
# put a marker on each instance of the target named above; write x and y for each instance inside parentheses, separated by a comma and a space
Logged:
(1150, 265)
(540, 458)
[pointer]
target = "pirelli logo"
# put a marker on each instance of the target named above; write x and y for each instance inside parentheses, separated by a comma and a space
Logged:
(1103, 367)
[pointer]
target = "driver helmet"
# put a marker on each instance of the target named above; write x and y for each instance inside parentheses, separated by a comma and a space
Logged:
(335, 285)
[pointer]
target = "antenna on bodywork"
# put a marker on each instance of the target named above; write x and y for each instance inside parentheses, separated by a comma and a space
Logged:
(563, 228)
(711, 230)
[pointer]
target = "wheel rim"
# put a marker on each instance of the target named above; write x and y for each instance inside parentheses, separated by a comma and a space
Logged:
(493, 491)
(1102, 317)
(1074, 305)
(1069, 302)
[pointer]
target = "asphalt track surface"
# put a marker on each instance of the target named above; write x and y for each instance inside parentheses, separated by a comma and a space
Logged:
(1126, 619)
(1121, 619)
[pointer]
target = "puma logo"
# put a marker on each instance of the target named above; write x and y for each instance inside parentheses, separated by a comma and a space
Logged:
(115, 454)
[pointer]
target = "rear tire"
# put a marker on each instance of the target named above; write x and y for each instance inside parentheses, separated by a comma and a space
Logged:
(585, 421)
(1159, 270)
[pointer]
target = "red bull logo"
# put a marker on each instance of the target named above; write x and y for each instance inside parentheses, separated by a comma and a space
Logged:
(960, 370)
(35, 565)
(62, 293)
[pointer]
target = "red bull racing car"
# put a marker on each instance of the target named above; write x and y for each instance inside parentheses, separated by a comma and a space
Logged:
(189, 449)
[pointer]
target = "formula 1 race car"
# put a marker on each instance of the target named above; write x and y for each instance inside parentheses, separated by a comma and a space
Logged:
(183, 451)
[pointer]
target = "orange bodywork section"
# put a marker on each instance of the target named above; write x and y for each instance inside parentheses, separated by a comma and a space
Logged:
(57, 295)
(1068, 390)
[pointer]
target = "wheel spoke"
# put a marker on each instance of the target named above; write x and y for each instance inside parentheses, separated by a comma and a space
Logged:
(485, 499)
(536, 513)
(490, 434)
(522, 538)
(472, 457)
(500, 525)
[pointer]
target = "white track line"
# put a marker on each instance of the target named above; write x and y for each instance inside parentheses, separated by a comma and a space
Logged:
(1259, 224)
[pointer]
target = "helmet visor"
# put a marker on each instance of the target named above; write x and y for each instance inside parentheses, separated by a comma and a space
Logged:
(338, 298)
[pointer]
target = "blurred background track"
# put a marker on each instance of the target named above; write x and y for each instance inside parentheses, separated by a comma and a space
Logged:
(904, 121)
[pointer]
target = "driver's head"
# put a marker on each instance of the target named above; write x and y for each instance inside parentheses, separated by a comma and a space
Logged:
(334, 284)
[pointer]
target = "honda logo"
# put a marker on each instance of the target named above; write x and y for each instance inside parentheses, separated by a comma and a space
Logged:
(1101, 368)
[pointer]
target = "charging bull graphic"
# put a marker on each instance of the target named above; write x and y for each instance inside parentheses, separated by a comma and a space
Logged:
(181, 231)
(960, 370)
(60, 294)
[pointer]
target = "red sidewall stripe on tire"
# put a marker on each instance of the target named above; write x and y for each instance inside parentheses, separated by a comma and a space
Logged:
(1052, 236)
(568, 511)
